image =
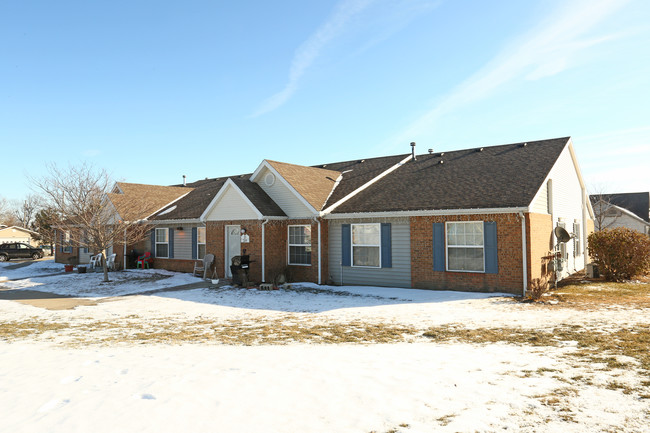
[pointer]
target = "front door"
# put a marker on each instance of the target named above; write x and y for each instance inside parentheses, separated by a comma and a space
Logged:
(233, 246)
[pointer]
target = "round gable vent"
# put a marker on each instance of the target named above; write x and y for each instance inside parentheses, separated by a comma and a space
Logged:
(269, 179)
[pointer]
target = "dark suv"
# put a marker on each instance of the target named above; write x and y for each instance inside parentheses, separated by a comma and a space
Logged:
(18, 250)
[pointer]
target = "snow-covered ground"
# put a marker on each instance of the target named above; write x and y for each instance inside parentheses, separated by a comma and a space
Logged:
(417, 386)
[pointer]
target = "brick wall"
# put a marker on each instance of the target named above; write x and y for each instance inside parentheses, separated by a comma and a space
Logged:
(509, 278)
(276, 247)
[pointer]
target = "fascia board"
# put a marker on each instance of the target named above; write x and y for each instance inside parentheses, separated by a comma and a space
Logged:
(365, 185)
(548, 176)
(222, 191)
(265, 164)
(414, 213)
(168, 204)
(630, 214)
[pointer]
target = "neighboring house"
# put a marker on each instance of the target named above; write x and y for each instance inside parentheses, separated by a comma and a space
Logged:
(126, 202)
(630, 210)
(475, 219)
(18, 234)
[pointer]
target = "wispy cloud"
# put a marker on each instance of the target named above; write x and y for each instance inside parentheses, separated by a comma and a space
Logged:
(309, 51)
(546, 51)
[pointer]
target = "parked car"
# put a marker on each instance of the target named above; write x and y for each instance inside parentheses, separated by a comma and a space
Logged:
(19, 250)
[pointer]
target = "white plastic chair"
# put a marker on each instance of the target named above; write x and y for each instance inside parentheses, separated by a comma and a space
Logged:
(110, 262)
(95, 261)
(203, 265)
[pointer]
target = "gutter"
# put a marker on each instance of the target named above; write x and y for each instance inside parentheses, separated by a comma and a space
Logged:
(432, 212)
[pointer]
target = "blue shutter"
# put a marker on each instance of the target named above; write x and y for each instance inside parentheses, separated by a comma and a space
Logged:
(153, 242)
(194, 241)
(171, 244)
(386, 247)
(439, 247)
(490, 245)
(345, 245)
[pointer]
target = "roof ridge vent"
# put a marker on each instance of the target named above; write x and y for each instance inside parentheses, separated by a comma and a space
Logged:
(524, 145)
(361, 161)
(480, 149)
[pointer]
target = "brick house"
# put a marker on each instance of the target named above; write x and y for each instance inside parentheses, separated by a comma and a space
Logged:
(474, 219)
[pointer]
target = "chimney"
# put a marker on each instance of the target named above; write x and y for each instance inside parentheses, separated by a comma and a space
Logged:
(184, 180)
(413, 151)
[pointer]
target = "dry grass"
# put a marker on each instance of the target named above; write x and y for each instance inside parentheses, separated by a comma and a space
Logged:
(601, 294)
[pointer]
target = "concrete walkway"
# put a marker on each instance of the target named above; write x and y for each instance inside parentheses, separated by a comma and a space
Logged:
(53, 301)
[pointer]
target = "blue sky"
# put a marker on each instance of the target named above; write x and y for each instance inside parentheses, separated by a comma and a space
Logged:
(152, 90)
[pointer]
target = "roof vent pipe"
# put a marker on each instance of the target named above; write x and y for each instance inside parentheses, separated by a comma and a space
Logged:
(430, 151)
(413, 151)
(184, 180)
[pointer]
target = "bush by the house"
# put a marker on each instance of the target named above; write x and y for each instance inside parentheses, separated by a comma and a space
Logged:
(537, 288)
(620, 253)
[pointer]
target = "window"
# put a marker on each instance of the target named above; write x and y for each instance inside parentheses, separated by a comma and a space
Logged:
(299, 245)
(200, 242)
(162, 243)
(465, 249)
(67, 248)
(577, 247)
(366, 245)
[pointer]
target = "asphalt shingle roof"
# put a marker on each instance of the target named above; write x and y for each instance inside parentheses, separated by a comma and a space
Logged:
(314, 184)
(496, 177)
(138, 201)
(636, 202)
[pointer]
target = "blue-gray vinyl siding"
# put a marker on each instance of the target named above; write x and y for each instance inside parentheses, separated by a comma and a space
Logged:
(398, 275)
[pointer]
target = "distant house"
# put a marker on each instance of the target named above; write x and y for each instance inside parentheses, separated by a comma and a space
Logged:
(474, 219)
(631, 210)
(18, 234)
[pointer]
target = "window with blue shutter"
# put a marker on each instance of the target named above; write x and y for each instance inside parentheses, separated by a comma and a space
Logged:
(490, 245)
(194, 243)
(346, 253)
(171, 243)
(153, 242)
(386, 246)
(439, 247)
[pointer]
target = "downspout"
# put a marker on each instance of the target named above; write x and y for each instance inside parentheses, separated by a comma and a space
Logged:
(263, 250)
(319, 254)
(124, 257)
(523, 251)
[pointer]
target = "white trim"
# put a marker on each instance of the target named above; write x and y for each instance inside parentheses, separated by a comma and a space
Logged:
(156, 243)
(267, 165)
(179, 221)
(628, 213)
(167, 205)
(226, 259)
(222, 191)
(447, 246)
(365, 185)
(410, 213)
(352, 245)
(264, 251)
(205, 243)
(524, 252)
(319, 254)
(289, 244)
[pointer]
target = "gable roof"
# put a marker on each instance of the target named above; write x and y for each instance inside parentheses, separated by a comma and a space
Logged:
(506, 176)
(4, 227)
(137, 201)
(203, 193)
(313, 185)
(636, 202)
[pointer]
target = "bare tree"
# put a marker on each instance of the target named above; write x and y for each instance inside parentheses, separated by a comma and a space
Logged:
(26, 211)
(78, 195)
(605, 212)
(7, 216)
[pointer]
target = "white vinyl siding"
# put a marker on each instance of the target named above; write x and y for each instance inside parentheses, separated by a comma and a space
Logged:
(231, 206)
(541, 204)
(566, 207)
(283, 196)
(398, 275)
